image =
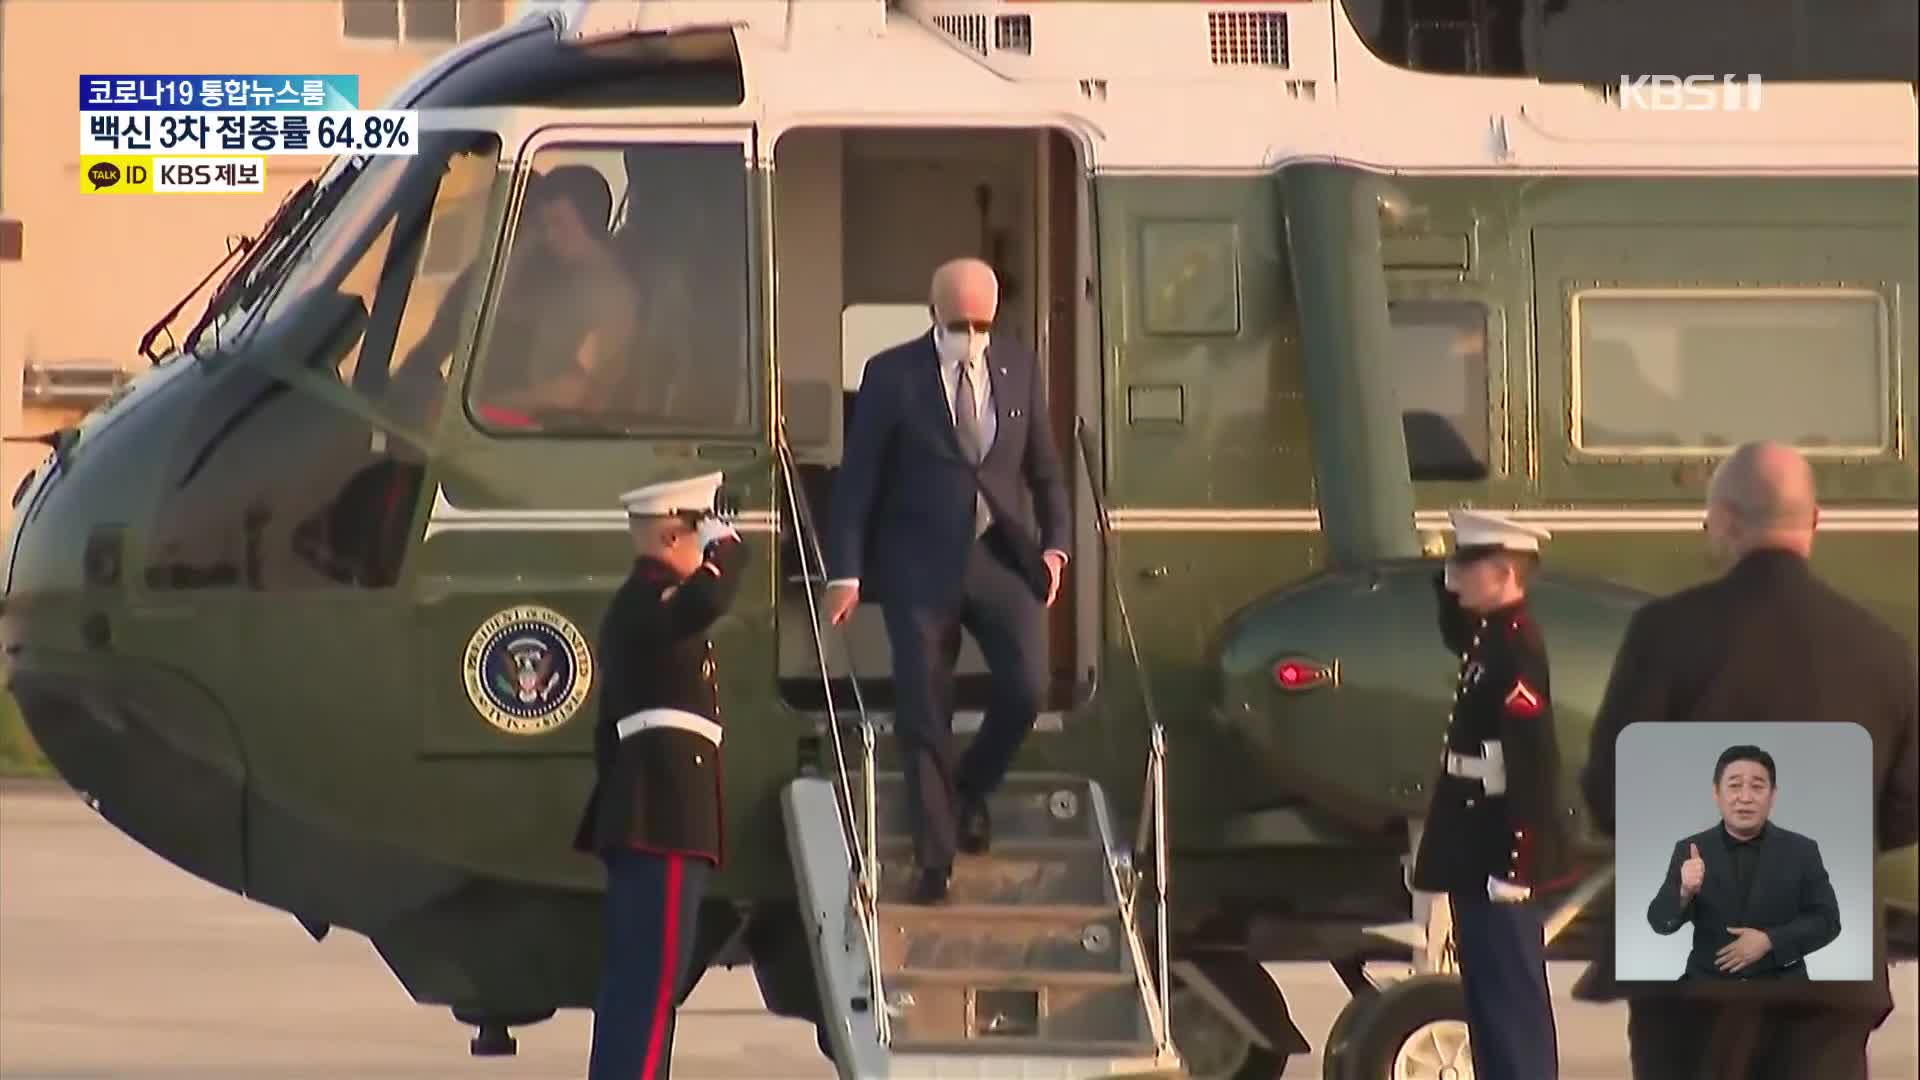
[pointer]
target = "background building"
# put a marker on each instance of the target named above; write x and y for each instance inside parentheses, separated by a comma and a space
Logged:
(96, 270)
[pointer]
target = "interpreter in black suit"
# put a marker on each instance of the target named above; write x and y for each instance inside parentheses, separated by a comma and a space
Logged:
(1766, 643)
(949, 441)
(1757, 894)
(655, 817)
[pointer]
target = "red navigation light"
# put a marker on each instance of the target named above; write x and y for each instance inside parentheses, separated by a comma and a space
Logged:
(1298, 673)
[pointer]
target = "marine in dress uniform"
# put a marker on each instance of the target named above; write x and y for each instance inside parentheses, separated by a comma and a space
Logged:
(1492, 835)
(655, 814)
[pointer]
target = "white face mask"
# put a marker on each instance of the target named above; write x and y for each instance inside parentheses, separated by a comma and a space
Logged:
(955, 348)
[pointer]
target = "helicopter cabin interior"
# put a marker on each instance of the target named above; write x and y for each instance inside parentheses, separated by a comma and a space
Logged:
(861, 218)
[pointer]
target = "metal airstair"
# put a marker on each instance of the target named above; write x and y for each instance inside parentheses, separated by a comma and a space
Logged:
(1036, 967)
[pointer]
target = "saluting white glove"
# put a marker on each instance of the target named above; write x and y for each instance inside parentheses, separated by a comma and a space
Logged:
(713, 529)
(1501, 892)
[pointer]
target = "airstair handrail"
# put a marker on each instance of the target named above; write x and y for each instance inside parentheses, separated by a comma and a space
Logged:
(1153, 809)
(860, 836)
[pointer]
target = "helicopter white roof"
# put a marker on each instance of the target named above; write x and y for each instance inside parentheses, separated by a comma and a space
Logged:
(1221, 86)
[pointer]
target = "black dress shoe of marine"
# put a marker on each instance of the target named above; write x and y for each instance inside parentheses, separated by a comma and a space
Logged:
(976, 828)
(931, 887)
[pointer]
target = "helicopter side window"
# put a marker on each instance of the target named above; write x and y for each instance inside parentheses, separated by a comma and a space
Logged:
(1440, 371)
(638, 328)
(1669, 371)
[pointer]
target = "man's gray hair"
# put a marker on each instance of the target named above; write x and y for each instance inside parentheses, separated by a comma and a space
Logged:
(1766, 486)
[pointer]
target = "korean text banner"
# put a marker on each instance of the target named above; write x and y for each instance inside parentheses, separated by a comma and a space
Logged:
(219, 93)
(252, 134)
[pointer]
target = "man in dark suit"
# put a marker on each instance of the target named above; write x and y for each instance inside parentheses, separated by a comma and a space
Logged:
(949, 441)
(1757, 894)
(654, 817)
(1766, 642)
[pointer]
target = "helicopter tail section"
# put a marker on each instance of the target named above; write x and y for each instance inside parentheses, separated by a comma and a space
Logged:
(1035, 964)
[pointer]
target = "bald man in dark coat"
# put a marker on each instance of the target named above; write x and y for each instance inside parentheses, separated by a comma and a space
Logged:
(1766, 643)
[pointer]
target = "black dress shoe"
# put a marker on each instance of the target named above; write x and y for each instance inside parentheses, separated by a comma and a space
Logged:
(976, 828)
(931, 887)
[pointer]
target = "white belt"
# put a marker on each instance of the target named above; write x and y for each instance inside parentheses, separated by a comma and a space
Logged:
(652, 719)
(1490, 770)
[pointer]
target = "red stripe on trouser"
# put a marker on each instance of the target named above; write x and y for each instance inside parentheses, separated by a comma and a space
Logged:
(669, 963)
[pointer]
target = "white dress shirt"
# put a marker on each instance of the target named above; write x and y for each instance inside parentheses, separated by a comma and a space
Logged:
(989, 423)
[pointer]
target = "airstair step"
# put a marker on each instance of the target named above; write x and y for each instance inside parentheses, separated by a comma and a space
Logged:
(1009, 876)
(1008, 939)
(978, 1048)
(1028, 971)
(1049, 807)
(973, 1013)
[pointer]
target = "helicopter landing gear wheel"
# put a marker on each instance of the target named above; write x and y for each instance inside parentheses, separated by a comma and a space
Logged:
(1211, 1047)
(493, 1040)
(1415, 1029)
(1229, 1018)
(493, 1035)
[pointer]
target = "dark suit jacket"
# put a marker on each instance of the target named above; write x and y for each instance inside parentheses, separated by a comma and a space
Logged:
(1788, 896)
(903, 502)
(1768, 642)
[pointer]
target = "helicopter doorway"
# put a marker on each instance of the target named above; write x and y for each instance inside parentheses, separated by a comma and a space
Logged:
(861, 219)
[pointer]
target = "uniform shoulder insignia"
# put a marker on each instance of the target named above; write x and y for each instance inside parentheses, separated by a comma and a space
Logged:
(1524, 701)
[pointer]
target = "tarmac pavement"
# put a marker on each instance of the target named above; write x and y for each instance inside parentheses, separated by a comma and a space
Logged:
(116, 965)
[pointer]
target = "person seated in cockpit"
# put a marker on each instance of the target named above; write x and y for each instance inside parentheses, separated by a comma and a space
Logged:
(562, 319)
(564, 322)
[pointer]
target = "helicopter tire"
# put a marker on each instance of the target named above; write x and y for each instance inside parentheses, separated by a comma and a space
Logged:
(1372, 1033)
(1214, 1048)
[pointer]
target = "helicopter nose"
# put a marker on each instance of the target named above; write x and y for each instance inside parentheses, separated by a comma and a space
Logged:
(149, 750)
(104, 678)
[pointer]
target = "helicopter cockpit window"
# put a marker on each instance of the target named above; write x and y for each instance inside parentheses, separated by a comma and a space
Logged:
(395, 274)
(303, 469)
(1440, 371)
(628, 324)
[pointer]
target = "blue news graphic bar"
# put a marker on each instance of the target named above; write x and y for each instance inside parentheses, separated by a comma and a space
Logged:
(219, 93)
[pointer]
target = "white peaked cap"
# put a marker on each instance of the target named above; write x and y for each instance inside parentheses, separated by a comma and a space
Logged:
(696, 493)
(1477, 528)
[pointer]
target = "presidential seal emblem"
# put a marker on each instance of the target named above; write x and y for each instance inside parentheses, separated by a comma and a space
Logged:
(528, 670)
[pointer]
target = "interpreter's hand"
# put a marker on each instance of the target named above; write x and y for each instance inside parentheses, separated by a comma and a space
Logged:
(1746, 949)
(1056, 565)
(1692, 873)
(841, 600)
(714, 529)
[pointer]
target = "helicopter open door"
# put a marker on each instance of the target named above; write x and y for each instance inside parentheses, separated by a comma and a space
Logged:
(618, 345)
(861, 216)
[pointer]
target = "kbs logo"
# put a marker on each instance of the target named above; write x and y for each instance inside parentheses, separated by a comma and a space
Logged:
(209, 174)
(1695, 93)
